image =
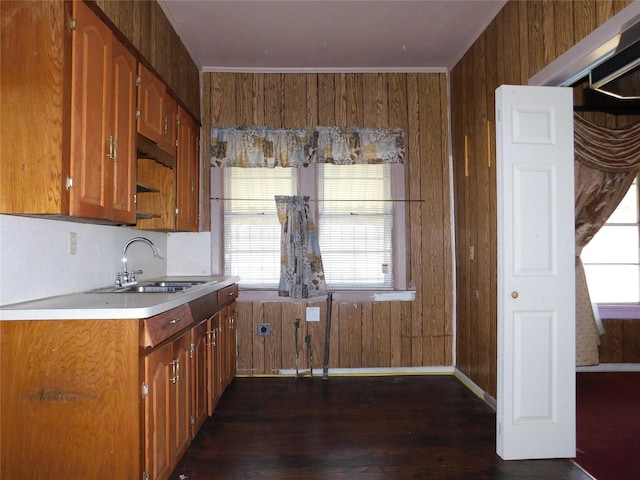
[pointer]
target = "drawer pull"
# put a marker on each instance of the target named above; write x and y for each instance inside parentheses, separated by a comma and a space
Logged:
(175, 320)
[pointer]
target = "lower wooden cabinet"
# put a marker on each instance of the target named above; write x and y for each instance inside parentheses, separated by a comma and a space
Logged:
(111, 399)
(200, 377)
(167, 390)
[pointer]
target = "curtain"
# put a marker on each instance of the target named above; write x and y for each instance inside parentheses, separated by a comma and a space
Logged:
(301, 272)
(606, 162)
(253, 146)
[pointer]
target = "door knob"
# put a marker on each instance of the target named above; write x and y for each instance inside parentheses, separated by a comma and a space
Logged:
(514, 294)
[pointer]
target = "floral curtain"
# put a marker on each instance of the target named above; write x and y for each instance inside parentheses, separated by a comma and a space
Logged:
(254, 146)
(606, 162)
(301, 272)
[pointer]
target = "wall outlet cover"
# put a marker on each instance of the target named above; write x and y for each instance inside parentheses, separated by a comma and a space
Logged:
(264, 329)
(313, 314)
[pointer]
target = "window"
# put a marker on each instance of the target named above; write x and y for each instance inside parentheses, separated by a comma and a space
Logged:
(611, 259)
(355, 225)
(353, 211)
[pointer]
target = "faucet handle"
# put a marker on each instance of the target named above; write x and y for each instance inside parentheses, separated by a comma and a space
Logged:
(132, 275)
(118, 280)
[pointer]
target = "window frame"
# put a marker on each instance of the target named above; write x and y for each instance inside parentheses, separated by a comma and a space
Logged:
(622, 310)
(306, 179)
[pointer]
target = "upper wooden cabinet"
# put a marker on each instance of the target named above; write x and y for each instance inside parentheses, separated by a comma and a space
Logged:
(157, 111)
(102, 122)
(146, 26)
(188, 169)
(68, 114)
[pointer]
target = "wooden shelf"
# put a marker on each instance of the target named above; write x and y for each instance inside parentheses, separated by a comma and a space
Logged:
(156, 186)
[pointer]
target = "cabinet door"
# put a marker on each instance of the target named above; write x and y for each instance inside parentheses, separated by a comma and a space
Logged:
(188, 164)
(157, 413)
(151, 105)
(181, 411)
(90, 112)
(102, 122)
(123, 157)
(213, 363)
(232, 348)
(222, 350)
(170, 126)
(200, 397)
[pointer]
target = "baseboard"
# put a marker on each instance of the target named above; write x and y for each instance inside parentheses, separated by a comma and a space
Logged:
(371, 371)
(471, 385)
(611, 367)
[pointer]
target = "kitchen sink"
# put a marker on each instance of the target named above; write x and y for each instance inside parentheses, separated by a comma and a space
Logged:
(172, 283)
(168, 286)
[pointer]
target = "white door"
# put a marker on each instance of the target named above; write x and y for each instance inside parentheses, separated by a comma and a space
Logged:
(536, 262)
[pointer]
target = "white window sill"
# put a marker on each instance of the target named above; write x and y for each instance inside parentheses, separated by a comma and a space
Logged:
(252, 295)
(627, 311)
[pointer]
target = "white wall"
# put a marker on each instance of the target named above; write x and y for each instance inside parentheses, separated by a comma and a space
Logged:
(35, 260)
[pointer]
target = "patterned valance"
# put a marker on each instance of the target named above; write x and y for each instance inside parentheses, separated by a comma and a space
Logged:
(298, 147)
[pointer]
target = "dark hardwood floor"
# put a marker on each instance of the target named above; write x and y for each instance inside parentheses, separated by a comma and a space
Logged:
(407, 427)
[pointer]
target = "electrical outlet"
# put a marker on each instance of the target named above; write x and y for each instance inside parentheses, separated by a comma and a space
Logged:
(73, 243)
(313, 314)
(264, 329)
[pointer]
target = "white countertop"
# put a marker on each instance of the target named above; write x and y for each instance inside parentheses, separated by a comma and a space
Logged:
(92, 305)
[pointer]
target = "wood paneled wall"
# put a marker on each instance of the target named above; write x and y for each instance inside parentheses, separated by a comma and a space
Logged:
(364, 334)
(621, 343)
(146, 28)
(522, 39)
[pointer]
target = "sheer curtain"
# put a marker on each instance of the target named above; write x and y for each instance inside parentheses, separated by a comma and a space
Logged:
(606, 162)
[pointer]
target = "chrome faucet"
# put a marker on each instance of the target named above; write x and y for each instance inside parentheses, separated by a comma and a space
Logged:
(127, 278)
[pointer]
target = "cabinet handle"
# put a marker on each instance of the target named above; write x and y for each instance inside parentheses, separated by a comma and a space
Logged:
(175, 320)
(166, 125)
(192, 187)
(110, 140)
(113, 148)
(211, 334)
(175, 367)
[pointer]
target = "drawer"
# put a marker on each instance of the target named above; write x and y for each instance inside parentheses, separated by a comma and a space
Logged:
(163, 326)
(203, 307)
(228, 294)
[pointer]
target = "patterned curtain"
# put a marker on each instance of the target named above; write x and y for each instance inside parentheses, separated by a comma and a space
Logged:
(606, 162)
(301, 272)
(251, 147)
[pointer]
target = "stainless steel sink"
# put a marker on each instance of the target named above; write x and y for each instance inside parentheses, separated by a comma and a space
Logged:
(173, 283)
(154, 289)
(169, 286)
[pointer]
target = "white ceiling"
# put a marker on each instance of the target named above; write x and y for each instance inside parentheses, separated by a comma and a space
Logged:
(329, 35)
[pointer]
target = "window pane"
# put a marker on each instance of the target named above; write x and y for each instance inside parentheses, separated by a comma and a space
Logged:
(251, 226)
(611, 259)
(612, 244)
(613, 283)
(355, 225)
(627, 211)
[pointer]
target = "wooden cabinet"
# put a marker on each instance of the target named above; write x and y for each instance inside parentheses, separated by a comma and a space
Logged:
(102, 122)
(227, 350)
(68, 133)
(156, 187)
(170, 127)
(157, 111)
(167, 406)
(135, 390)
(70, 400)
(200, 381)
(188, 168)
(214, 390)
(204, 310)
